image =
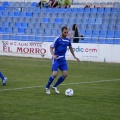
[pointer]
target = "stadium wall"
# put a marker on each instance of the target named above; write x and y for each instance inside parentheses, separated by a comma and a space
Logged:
(86, 52)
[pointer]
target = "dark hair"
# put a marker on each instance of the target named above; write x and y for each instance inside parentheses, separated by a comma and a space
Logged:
(64, 28)
(73, 28)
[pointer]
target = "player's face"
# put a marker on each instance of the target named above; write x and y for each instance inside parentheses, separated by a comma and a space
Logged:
(64, 33)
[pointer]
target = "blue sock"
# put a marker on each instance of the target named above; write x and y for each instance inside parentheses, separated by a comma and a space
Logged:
(60, 80)
(50, 80)
(1, 76)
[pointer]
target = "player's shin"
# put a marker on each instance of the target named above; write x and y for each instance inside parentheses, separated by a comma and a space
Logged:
(60, 80)
(50, 80)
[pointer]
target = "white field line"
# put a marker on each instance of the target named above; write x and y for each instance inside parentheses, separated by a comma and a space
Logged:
(99, 81)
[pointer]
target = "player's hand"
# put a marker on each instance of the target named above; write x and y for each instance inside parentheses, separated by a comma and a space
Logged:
(77, 59)
(55, 56)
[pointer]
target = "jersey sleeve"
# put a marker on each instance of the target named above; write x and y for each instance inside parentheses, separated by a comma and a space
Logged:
(54, 43)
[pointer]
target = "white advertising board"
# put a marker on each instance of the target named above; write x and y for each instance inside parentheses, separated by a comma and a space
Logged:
(85, 52)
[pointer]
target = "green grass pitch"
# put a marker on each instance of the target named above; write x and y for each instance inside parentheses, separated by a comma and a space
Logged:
(96, 91)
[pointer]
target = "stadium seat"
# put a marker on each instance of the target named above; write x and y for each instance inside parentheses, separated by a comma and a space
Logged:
(6, 37)
(29, 14)
(93, 10)
(18, 37)
(61, 10)
(21, 30)
(18, 25)
(88, 33)
(23, 14)
(25, 38)
(2, 8)
(98, 21)
(110, 34)
(100, 10)
(16, 14)
(103, 33)
(80, 10)
(11, 4)
(58, 20)
(24, 24)
(31, 38)
(86, 10)
(46, 20)
(5, 14)
(5, 24)
(91, 21)
(9, 30)
(74, 10)
(95, 33)
(104, 27)
(67, 10)
(2, 30)
(108, 10)
(109, 41)
(34, 4)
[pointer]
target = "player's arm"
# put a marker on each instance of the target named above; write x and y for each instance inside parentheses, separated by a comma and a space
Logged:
(52, 52)
(71, 50)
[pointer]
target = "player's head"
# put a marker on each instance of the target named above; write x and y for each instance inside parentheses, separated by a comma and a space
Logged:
(74, 27)
(64, 31)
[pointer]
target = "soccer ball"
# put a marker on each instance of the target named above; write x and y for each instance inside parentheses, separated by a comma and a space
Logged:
(69, 92)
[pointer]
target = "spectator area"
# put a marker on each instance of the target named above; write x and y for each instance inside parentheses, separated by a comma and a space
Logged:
(25, 21)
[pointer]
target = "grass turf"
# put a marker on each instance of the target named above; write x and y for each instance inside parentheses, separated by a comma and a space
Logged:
(94, 99)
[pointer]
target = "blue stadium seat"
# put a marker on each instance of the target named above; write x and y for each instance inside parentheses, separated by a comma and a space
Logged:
(109, 41)
(5, 14)
(16, 14)
(111, 27)
(46, 20)
(31, 38)
(92, 15)
(108, 10)
(28, 31)
(18, 37)
(104, 27)
(25, 38)
(21, 30)
(80, 10)
(15, 30)
(101, 41)
(98, 21)
(84, 21)
(34, 31)
(11, 14)
(6, 37)
(54, 10)
(23, 14)
(2, 30)
(74, 10)
(90, 27)
(29, 14)
(100, 10)
(106, 15)
(9, 30)
(117, 40)
(5, 24)
(93, 10)
(33, 4)
(86, 15)
(60, 15)
(99, 15)
(18, 25)
(117, 33)
(95, 33)
(61, 10)
(88, 33)
(105, 21)
(24, 24)
(91, 21)
(11, 4)
(112, 21)
(58, 20)
(110, 34)
(86, 10)
(114, 10)
(67, 10)
(97, 27)
(103, 33)
(2, 8)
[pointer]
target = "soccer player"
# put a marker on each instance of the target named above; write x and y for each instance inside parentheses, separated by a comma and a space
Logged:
(58, 50)
(3, 79)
